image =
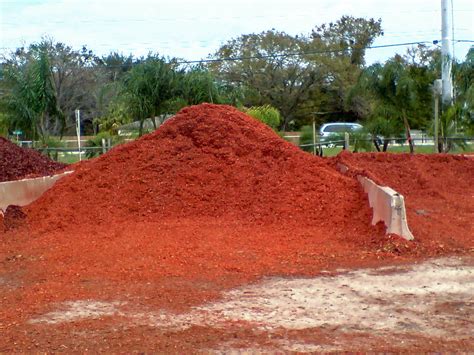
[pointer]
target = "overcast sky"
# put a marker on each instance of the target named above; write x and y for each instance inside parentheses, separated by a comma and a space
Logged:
(193, 29)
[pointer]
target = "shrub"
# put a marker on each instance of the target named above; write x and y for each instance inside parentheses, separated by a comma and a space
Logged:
(266, 114)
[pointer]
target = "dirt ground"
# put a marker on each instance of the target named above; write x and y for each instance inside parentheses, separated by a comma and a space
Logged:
(426, 306)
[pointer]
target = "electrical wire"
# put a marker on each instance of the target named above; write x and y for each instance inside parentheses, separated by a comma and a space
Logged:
(293, 54)
(285, 55)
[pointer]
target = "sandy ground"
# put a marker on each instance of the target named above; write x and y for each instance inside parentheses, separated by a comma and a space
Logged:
(422, 306)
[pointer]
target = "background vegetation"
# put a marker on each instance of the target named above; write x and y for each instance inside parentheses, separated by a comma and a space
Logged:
(286, 81)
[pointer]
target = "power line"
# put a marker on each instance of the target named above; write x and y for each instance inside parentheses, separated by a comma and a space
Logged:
(283, 55)
(294, 54)
(204, 44)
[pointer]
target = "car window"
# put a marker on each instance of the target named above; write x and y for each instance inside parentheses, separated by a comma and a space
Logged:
(354, 127)
(335, 128)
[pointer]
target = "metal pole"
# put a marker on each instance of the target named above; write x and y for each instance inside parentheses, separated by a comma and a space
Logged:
(314, 137)
(437, 90)
(78, 130)
(446, 65)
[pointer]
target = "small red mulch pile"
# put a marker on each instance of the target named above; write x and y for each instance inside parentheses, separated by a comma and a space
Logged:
(18, 163)
(438, 191)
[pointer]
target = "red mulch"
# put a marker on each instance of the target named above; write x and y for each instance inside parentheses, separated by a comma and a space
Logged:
(211, 200)
(13, 218)
(438, 191)
(209, 161)
(17, 163)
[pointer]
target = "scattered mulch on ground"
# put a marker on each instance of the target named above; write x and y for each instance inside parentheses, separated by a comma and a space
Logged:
(18, 163)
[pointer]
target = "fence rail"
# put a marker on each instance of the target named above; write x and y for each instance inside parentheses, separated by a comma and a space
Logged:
(425, 141)
(399, 141)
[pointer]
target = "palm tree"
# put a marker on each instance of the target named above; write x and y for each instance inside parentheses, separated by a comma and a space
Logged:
(30, 99)
(395, 94)
(147, 87)
(464, 98)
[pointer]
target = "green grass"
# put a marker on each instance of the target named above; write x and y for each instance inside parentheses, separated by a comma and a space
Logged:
(70, 158)
(428, 149)
(420, 149)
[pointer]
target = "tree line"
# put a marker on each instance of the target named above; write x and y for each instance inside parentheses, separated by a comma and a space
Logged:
(321, 76)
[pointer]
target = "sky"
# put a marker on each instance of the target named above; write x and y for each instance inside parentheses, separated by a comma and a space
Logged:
(193, 29)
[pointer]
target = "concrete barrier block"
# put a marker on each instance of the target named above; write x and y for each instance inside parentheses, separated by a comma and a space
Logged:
(388, 207)
(24, 192)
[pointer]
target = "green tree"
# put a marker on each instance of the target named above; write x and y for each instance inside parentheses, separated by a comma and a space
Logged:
(69, 77)
(110, 71)
(4, 124)
(300, 74)
(147, 88)
(457, 120)
(348, 37)
(267, 74)
(341, 46)
(395, 95)
(379, 126)
(198, 85)
(464, 93)
(30, 100)
(194, 85)
(116, 65)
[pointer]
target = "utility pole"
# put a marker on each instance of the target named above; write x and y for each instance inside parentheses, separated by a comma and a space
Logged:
(447, 95)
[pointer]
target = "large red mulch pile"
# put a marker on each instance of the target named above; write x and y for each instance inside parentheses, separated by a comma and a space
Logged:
(211, 200)
(209, 161)
(438, 191)
(17, 163)
(213, 194)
